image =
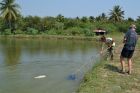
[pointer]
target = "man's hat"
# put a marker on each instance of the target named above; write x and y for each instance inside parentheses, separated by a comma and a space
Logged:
(133, 26)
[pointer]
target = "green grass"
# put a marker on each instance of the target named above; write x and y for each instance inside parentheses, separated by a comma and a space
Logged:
(50, 37)
(105, 78)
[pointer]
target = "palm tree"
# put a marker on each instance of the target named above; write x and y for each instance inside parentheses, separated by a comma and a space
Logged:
(116, 14)
(9, 11)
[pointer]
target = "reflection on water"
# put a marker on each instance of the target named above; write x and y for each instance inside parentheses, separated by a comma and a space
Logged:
(23, 59)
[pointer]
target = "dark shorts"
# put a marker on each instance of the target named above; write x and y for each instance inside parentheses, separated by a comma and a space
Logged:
(127, 53)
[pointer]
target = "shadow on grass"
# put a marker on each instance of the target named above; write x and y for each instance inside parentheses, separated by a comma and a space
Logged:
(112, 68)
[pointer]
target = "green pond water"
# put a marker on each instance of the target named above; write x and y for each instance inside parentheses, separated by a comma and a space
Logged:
(21, 60)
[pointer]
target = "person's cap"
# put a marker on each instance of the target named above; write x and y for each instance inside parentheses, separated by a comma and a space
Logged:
(109, 38)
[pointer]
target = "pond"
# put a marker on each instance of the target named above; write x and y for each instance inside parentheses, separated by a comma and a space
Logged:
(23, 60)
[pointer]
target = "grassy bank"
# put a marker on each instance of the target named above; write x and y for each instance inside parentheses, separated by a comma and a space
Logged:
(50, 37)
(45, 36)
(105, 78)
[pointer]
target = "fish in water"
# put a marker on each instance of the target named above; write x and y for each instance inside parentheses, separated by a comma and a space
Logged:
(40, 76)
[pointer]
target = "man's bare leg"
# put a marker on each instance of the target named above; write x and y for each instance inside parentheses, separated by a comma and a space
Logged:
(122, 63)
(129, 65)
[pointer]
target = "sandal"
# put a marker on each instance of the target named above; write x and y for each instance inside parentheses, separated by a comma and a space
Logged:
(122, 71)
(128, 72)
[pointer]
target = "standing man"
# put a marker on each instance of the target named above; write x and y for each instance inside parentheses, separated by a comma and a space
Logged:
(130, 40)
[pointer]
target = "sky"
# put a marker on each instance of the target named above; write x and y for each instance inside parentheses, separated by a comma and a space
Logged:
(80, 8)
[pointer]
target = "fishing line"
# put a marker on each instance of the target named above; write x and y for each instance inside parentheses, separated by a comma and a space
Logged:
(73, 76)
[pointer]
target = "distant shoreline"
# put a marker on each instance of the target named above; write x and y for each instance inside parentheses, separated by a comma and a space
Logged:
(51, 37)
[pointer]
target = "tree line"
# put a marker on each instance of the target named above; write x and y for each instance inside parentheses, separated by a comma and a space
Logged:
(12, 22)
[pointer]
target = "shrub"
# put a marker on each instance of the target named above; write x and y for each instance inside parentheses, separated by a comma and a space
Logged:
(123, 27)
(32, 31)
(110, 28)
(7, 32)
(138, 28)
(74, 31)
(51, 32)
(18, 31)
(88, 32)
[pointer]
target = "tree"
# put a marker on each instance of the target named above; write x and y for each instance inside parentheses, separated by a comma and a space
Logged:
(116, 14)
(9, 11)
(103, 17)
(48, 23)
(84, 19)
(71, 22)
(59, 24)
(98, 18)
(130, 19)
(138, 19)
(91, 19)
(60, 18)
